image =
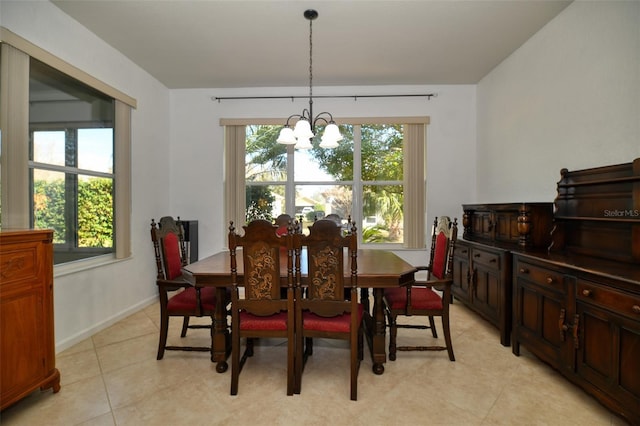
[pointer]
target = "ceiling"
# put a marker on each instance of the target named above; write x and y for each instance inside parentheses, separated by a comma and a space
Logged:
(223, 44)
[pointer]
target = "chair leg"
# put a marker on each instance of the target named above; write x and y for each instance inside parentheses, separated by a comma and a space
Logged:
(447, 336)
(432, 326)
(291, 382)
(213, 332)
(355, 361)
(185, 326)
(235, 361)
(162, 341)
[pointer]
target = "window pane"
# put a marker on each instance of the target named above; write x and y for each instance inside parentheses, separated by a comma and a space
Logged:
(95, 211)
(382, 152)
(49, 203)
(264, 202)
(265, 160)
(318, 201)
(333, 165)
(48, 147)
(383, 215)
(95, 149)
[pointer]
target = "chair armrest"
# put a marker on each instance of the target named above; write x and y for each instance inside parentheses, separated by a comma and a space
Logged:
(173, 285)
(434, 283)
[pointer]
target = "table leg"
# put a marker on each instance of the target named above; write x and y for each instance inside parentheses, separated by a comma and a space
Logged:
(375, 324)
(220, 332)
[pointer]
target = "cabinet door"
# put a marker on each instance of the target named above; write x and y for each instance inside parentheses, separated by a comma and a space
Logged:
(540, 312)
(608, 353)
(482, 224)
(461, 273)
(22, 364)
(486, 282)
(506, 226)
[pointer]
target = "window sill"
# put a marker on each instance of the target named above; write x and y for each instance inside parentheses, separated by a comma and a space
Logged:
(85, 264)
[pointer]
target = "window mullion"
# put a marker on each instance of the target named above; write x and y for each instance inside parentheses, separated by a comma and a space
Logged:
(356, 198)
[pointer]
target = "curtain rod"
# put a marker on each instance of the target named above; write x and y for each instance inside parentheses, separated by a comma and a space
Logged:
(355, 97)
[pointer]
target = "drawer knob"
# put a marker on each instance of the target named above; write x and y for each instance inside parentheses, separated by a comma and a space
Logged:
(477, 255)
(586, 292)
(524, 271)
(636, 309)
(550, 280)
(492, 261)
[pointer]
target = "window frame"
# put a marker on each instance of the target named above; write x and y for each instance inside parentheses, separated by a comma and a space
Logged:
(414, 179)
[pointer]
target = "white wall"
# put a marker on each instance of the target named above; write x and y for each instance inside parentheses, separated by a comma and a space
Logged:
(568, 98)
(197, 154)
(89, 300)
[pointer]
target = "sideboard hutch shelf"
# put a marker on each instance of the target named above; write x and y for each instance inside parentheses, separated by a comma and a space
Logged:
(27, 346)
(482, 260)
(577, 305)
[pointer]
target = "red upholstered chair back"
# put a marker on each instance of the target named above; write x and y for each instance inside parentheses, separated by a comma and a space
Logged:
(170, 249)
(441, 254)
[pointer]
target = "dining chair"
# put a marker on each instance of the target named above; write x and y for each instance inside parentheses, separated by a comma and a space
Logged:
(259, 311)
(324, 312)
(178, 297)
(421, 298)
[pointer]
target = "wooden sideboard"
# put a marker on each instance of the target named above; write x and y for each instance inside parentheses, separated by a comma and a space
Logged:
(482, 260)
(577, 305)
(27, 345)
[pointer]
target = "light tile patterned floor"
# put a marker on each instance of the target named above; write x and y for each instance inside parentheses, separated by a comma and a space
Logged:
(113, 378)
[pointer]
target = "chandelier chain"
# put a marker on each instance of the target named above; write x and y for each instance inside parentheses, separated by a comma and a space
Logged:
(310, 63)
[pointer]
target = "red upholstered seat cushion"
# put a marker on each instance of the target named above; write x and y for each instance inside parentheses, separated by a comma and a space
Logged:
(283, 230)
(186, 300)
(254, 322)
(172, 255)
(421, 298)
(339, 324)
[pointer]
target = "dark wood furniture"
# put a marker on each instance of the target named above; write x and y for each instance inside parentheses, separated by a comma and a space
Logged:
(178, 298)
(420, 299)
(27, 344)
(482, 260)
(377, 269)
(260, 311)
(323, 309)
(577, 306)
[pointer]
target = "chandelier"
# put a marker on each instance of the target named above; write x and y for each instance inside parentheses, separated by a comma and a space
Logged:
(303, 131)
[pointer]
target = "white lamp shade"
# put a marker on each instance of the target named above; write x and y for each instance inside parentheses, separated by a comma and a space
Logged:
(332, 131)
(303, 144)
(286, 136)
(302, 131)
(328, 143)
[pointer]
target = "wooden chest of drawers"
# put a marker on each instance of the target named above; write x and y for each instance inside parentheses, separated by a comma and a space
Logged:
(27, 345)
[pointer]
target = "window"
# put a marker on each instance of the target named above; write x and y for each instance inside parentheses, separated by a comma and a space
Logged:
(70, 163)
(368, 178)
(65, 153)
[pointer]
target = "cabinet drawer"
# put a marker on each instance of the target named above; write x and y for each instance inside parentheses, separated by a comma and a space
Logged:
(621, 303)
(18, 263)
(461, 251)
(486, 258)
(539, 275)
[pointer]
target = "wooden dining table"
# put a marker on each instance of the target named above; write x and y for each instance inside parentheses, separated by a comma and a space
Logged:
(377, 270)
